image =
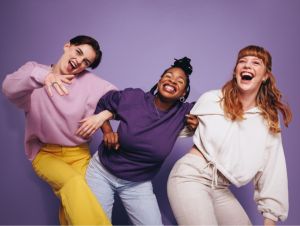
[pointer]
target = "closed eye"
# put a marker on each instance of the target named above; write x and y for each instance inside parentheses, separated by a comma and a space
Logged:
(87, 62)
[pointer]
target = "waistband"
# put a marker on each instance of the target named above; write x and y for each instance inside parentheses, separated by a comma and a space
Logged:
(217, 178)
(54, 146)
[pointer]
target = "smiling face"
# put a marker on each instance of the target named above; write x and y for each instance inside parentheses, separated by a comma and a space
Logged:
(75, 59)
(172, 84)
(250, 72)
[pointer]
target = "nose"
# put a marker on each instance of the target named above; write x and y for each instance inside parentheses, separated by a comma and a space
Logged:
(247, 64)
(80, 60)
(173, 80)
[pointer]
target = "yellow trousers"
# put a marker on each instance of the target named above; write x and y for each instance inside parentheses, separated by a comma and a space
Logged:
(63, 168)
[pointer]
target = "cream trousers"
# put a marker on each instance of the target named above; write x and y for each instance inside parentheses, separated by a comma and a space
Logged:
(199, 194)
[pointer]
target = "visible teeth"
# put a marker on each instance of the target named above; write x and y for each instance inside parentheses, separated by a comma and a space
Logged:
(73, 64)
(247, 73)
(170, 88)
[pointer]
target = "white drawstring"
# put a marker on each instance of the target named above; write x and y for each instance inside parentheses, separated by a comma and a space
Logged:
(214, 180)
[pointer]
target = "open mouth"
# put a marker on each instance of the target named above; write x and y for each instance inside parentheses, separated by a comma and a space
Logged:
(73, 64)
(169, 88)
(246, 76)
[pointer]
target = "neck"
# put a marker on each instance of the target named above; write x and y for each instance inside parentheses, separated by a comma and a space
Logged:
(248, 100)
(55, 69)
(162, 104)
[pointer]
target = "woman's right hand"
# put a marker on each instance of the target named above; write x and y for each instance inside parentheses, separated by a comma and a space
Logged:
(192, 122)
(111, 140)
(56, 81)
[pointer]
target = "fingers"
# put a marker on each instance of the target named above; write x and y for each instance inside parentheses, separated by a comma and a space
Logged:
(67, 81)
(49, 90)
(86, 131)
(60, 88)
(83, 120)
(111, 140)
(117, 146)
(192, 121)
(56, 81)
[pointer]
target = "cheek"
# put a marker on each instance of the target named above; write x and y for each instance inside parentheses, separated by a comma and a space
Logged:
(182, 89)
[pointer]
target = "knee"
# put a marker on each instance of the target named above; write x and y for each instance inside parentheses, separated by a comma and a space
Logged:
(74, 183)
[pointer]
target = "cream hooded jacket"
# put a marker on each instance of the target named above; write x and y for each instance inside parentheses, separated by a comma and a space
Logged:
(242, 151)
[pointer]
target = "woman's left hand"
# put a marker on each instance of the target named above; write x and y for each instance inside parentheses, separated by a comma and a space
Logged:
(89, 126)
(192, 122)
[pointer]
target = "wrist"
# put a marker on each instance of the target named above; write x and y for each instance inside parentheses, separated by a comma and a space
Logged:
(107, 115)
(269, 222)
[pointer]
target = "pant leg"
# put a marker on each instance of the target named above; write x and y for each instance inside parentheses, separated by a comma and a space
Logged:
(195, 201)
(228, 209)
(101, 184)
(79, 204)
(191, 200)
(62, 216)
(140, 202)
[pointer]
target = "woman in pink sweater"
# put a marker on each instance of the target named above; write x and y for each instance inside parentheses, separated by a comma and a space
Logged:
(59, 156)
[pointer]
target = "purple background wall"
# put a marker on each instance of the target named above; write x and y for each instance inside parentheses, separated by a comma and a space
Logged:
(139, 40)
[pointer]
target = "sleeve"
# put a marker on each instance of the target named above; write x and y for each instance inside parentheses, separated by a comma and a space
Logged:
(110, 101)
(19, 85)
(271, 185)
(109, 87)
(186, 132)
(208, 103)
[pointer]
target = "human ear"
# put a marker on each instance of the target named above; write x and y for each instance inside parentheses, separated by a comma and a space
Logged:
(266, 76)
(67, 46)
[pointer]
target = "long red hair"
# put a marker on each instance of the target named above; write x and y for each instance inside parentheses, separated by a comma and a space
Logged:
(268, 98)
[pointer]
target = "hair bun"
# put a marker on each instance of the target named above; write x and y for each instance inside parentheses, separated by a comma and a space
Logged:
(184, 64)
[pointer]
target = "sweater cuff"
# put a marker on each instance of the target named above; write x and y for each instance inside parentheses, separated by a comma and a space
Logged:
(39, 75)
(270, 216)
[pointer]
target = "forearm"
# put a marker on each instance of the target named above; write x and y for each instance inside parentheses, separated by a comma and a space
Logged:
(269, 222)
(106, 127)
(19, 85)
(105, 116)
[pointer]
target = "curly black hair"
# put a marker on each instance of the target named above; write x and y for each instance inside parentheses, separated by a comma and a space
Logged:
(184, 64)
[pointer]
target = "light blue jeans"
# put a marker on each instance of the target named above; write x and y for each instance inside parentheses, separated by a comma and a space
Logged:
(138, 198)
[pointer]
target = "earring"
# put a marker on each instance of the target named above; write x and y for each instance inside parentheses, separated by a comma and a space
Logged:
(181, 99)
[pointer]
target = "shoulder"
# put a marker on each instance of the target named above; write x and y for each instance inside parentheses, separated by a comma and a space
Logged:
(209, 103)
(34, 64)
(212, 95)
(128, 93)
(135, 93)
(187, 106)
(97, 81)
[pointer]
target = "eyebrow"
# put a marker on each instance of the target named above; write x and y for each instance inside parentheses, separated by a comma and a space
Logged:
(179, 76)
(80, 50)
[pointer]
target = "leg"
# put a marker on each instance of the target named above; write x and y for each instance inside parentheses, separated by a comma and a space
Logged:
(79, 204)
(101, 184)
(140, 203)
(190, 198)
(191, 203)
(228, 210)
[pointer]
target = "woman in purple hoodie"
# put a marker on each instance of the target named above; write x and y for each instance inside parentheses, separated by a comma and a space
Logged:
(149, 126)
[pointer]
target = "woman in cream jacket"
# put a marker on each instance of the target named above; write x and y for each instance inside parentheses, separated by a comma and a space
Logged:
(238, 140)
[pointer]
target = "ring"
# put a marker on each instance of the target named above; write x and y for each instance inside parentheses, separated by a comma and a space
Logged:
(54, 83)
